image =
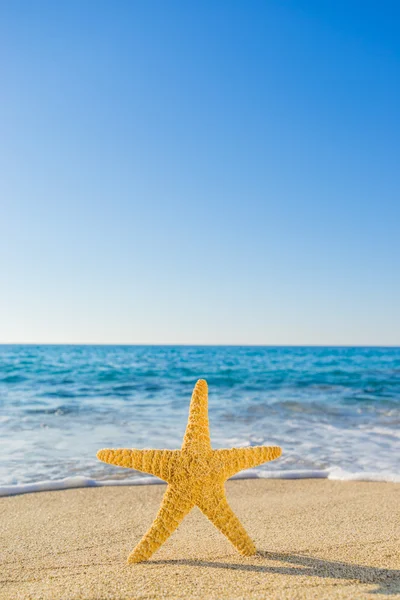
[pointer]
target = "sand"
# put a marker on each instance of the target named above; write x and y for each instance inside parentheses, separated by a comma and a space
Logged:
(316, 539)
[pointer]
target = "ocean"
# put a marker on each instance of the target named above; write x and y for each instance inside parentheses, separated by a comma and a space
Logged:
(335, 411)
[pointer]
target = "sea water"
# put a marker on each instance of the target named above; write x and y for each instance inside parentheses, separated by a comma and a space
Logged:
(334, 411)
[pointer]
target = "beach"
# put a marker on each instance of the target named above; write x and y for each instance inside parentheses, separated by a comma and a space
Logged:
(315, 539)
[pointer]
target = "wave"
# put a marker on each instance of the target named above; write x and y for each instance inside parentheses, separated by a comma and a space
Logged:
(324, 406)
(335, 474)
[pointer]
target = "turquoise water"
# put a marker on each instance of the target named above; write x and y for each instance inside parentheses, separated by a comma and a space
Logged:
(334, 411)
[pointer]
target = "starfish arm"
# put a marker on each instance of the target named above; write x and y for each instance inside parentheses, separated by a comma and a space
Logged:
(197, 434)
(175, 506)
(155, 462)
(237, 459)
(218, 511)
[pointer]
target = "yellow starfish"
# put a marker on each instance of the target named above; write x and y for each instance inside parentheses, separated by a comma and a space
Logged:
(195, 476)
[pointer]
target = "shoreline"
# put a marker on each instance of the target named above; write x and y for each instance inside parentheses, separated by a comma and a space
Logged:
(80, 481)
(315, 539)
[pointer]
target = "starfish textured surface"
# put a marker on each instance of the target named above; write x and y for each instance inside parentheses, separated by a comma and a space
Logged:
(195, 475)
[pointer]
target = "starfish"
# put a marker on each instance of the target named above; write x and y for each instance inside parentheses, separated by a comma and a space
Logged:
(195, 475)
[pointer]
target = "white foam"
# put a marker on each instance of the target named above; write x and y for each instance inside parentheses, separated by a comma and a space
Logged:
(70, 483)
(334, 473)
(338, 474)
(287, 474)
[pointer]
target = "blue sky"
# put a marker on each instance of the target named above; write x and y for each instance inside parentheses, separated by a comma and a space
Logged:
(211, 172)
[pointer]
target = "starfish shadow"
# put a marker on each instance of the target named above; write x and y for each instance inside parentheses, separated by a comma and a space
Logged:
(387, 580)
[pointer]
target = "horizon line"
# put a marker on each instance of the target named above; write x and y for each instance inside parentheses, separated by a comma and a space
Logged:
(184, 345)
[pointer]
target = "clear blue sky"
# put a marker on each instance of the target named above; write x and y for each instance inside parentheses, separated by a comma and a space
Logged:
(200, 172)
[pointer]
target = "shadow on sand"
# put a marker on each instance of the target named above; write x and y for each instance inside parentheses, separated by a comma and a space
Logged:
(387, 580)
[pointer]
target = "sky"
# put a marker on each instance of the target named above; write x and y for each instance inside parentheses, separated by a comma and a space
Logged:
(200, 172)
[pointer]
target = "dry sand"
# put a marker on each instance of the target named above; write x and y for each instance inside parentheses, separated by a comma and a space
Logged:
(316, 539)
